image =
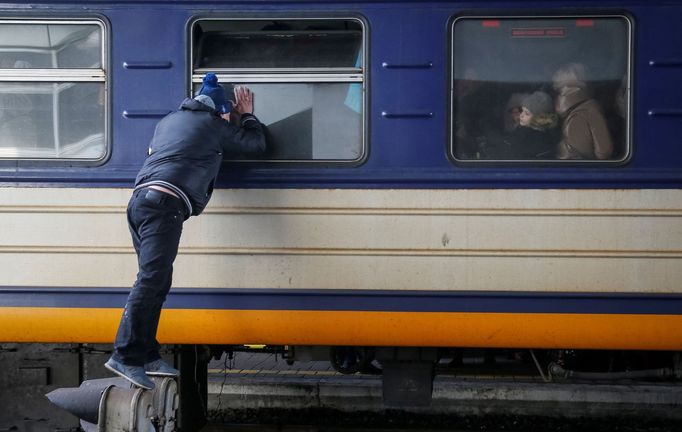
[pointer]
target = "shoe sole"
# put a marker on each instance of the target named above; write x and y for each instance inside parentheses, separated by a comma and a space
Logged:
(119, 373)
(162, 374)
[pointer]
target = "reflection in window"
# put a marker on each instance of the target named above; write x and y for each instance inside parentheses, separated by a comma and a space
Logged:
(307, 76)
(52, 90)
(540, 89)
(50, 120)
(291, 44)
(50, 46)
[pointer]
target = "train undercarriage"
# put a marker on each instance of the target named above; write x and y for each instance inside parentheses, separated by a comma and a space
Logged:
(32, 370)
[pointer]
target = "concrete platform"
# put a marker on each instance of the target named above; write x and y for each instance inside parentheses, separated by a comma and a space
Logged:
(451, 396)
(263, 382)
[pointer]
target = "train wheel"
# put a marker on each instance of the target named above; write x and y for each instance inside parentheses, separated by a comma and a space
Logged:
(350, 360)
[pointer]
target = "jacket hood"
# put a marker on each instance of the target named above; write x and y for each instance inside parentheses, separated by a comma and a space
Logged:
(195, 105)
(570, 98)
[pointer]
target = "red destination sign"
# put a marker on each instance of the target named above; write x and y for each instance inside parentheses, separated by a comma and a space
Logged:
(539, 32)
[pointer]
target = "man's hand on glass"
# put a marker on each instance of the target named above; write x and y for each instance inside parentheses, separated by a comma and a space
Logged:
(243, 100)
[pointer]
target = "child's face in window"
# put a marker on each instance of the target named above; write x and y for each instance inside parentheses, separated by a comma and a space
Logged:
(525, 117)
(515, 114)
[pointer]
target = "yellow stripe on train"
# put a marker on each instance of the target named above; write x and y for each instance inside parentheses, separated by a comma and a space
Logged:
(274, 327)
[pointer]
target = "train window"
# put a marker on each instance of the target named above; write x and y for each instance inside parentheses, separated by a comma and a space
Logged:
(540, 89)
(52, 89)
(307, 75)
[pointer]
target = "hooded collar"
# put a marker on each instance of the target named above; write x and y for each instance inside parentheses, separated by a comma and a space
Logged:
(569, 98)
(195, 105)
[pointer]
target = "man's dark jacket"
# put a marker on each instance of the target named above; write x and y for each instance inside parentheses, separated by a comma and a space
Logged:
(188, 145)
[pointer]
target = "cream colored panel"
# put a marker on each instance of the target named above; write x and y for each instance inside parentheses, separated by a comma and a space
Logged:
(513, 273)
(649, 201)
(66, 229)
(437, 232)
(623, 234)
(63, 199)
(61, 269)
(449, 201)
(432, 273)
(555, 240)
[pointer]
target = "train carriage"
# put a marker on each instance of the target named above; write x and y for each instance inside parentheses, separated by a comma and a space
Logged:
(401, 203)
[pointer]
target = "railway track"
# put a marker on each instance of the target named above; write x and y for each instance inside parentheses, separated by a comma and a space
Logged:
(511, 396)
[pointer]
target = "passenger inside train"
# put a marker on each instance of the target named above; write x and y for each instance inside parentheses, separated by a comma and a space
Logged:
(573, 72)
(537, 132)
(585, 134)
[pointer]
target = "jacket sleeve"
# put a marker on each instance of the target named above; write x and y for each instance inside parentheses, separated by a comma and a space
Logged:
(578, 138)
(249, 139)
(603, 146)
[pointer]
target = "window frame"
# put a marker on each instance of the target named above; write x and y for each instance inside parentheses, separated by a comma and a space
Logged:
(450, 144)
(266, 76)
(63, 76)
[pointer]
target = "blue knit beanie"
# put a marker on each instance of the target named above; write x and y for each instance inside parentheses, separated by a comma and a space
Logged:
(216, 92)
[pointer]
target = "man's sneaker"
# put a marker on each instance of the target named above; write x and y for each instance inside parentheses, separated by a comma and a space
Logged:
(134, 374)
(160, 368)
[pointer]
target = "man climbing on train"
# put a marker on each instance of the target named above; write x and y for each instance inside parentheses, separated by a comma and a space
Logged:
(175, 182)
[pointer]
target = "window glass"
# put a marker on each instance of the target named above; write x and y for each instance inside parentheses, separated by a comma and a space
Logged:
(50, 46)
(50, 120)
(50, 108)
(278, 44)
(307, 76)
(317, 121)
(551, 89)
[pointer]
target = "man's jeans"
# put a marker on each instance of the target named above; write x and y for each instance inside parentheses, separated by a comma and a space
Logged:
(155, 220)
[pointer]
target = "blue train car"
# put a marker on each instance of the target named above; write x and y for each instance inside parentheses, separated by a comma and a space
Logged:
(498, 174)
